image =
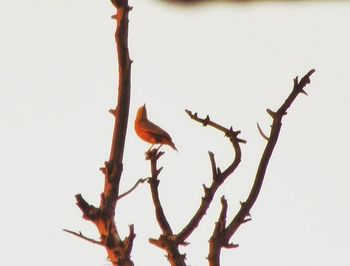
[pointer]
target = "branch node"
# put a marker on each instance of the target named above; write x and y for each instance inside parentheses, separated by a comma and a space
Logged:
(206, 120)
(113, 112)
(206, 189)
(242, 205)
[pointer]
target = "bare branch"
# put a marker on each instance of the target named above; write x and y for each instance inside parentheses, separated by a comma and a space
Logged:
(217, 241)
(141, 180)
(80, 235)
(262, 132)
(218, 178)
(228, 132)
(213, 164)
(153, 156)
(118, 250)
(168, 241)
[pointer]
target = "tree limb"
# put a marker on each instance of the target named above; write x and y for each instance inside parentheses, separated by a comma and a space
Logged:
(103, 217)
(141, 180)
(168, 241)
(221, 238)
(80, 235)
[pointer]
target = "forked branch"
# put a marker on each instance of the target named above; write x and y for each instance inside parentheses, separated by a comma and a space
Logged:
(220, 238)
(103, 216)
(168, 240)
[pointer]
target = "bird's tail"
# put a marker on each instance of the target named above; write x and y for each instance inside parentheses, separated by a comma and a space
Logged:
(173, 146)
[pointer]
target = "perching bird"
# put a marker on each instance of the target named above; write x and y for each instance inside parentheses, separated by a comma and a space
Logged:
(150, 132)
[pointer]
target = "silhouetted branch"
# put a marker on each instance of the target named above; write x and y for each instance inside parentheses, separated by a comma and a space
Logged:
(220, 238)
(262, 132)
(141, 180)
(218, 177)
(103, 217)
(168, 241)
(80, 235)
(153, 156)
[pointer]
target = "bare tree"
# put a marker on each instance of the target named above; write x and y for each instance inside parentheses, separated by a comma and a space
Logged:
(103, 216)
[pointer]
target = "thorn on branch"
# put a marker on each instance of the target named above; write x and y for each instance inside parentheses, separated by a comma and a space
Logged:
(159, 170)
(306, 79)
(159, 154)
(262, 132)
(185, 244)
(232, 134)
(246, 220)
(230, 245)
(206, 121)
(303, 92)
(206, 189)
(103, 170)
(188, 112)
(107, 168)
(213, 164)
(271, 113)
(242, 205)
(113, 112)
(218, 172)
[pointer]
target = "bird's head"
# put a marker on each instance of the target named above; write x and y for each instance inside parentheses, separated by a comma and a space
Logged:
(142, 112)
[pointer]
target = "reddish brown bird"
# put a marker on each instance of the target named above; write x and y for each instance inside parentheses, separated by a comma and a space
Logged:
(150, 132)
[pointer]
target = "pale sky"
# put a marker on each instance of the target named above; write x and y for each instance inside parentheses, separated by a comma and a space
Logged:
(58, 79)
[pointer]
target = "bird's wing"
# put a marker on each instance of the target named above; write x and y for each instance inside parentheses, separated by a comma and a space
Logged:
(155, 130)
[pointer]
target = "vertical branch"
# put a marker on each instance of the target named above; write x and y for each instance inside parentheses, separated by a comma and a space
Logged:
(118, 250)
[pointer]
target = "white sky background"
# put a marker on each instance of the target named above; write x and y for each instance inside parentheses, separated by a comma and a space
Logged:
(58, 79)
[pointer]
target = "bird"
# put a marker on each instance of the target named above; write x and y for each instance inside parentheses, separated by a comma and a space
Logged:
(150, 132)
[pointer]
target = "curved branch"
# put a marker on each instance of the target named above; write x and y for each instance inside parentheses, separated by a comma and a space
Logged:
(141, 180)
(218, 176)
(221, 239)
(167, 240)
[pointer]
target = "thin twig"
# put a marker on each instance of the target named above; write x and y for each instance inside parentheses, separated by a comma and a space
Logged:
(221, 239)
(262, 132)
(141, 180)
(80, 235)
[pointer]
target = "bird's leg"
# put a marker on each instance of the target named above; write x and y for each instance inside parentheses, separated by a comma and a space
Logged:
(149, 149)
(148, 152)
(159, 147)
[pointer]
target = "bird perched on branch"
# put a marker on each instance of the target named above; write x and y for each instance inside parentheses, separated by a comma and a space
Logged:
(150, 132)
